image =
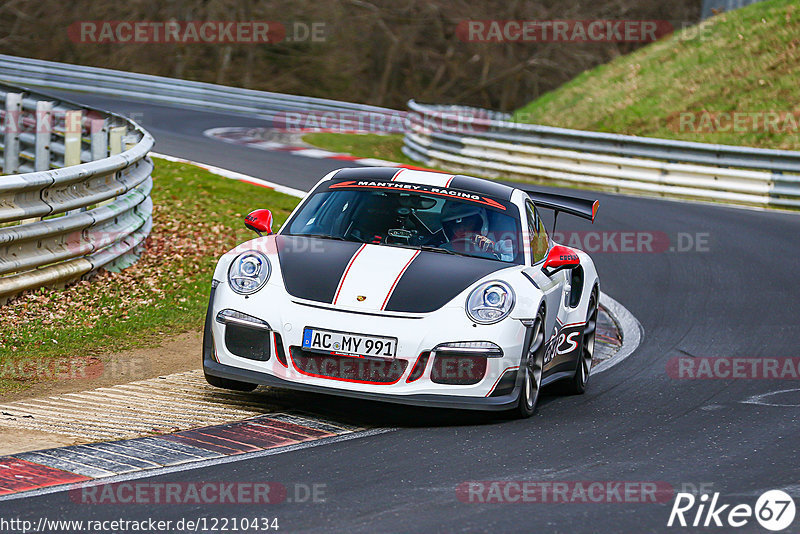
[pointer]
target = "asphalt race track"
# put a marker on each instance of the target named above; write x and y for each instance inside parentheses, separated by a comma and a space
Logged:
(737, 296)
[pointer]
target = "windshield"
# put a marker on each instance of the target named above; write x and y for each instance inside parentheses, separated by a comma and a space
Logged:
(412, 219)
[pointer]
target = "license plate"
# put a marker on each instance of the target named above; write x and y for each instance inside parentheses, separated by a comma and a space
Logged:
(345, 343)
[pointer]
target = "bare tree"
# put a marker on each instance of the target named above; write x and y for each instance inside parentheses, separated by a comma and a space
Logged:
(375, 51)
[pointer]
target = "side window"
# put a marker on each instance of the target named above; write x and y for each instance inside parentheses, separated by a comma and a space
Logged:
(544, 239)
(537, 233)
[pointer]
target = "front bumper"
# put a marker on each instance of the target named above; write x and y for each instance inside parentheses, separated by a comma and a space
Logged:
(288, 318)
(505, 402)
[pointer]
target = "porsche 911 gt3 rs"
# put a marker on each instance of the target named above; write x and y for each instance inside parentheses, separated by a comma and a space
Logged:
(407, 286)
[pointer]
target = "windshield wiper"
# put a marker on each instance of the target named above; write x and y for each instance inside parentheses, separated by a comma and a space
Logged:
(321, 236)
(428, 248)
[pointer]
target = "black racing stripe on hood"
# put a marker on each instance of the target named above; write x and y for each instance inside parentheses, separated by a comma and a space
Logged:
(432, 280)
(312, 267)
(380, 174)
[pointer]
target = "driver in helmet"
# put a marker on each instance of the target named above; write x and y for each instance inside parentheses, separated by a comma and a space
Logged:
(466, 227)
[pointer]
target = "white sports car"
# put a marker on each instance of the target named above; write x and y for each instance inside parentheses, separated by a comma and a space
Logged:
(407, 286)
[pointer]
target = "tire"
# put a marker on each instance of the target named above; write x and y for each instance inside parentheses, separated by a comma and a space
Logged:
(226, 383)
(531, 367)
(577, 386)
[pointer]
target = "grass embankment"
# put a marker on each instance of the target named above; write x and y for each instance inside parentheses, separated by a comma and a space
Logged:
(197, 216)
(745, 61)
(388, 147)
(685, 86)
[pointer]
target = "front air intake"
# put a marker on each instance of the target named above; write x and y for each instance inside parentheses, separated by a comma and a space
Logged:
(247, 343)
(348, 368)
(279, 352)
(461, 370)
(419, 367)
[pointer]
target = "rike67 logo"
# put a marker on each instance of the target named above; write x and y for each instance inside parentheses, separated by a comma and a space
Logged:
(774, 510)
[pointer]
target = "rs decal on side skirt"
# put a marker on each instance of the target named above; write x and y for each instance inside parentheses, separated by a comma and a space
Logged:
(565, 343)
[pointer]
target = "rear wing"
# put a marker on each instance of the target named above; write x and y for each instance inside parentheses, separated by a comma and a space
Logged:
(586, 209)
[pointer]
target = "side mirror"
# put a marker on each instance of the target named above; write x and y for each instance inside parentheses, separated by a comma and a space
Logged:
(560, 257)
(259, 221)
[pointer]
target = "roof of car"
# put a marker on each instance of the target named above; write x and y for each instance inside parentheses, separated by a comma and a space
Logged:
(450, 181)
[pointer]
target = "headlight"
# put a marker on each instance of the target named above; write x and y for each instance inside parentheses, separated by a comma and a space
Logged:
(249, 272)
(490, 302)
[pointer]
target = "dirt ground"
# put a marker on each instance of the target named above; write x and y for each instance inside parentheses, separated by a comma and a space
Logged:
(181, 353)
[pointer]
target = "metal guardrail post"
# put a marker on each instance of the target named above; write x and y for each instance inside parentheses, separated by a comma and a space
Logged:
(115, 139)
(73, 130)
(44, 132)
(99, 138)
(99, 141)
(72, 137)
(128, 141)
(11, 130)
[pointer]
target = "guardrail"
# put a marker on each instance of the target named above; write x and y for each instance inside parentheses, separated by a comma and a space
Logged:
(207, 96)
(468, 140)
(472, 140)
(75, 196)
